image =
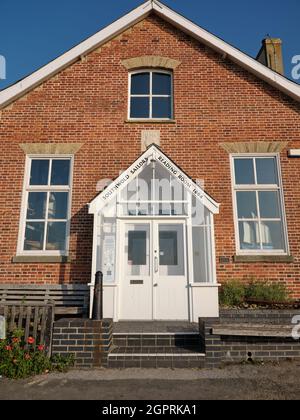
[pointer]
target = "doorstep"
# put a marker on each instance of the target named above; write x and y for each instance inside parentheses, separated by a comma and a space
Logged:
(156, 344)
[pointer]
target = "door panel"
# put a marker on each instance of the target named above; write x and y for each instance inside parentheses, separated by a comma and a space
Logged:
(170, 280)
(171, 249)
(136, 279)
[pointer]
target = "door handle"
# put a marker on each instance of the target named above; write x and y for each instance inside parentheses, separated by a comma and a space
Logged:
(155, 264)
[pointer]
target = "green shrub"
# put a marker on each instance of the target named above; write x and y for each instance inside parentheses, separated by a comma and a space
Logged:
(62, 363)
(264, 291)
(232, 293)
(235, 293)
(20, 360)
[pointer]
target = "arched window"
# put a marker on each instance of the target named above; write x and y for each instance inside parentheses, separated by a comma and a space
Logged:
(150, 95)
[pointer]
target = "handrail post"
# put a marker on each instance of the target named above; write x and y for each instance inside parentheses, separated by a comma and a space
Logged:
(98, 296)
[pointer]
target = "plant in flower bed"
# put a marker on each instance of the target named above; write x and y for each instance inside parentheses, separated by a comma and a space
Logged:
(20, 359)
(264, 291)
(255, 294)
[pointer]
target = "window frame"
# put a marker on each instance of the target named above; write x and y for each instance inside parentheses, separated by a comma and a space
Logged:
(258, 187)
(150, 96)
(47, 188)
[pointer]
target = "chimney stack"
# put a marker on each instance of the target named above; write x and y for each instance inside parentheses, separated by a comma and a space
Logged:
(270, 54)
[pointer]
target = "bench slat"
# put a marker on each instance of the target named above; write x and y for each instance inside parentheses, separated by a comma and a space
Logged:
(43, 297)
(43, 292)
(4, 286)
(253, 330)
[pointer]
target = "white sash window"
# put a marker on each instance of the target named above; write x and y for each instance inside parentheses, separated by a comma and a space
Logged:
(45, 213)
(258, 201)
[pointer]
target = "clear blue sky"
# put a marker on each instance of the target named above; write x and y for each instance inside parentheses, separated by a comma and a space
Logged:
(34, 32)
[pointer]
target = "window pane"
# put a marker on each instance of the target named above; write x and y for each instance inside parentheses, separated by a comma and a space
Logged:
(39, 172)
(249, 235)
(58, 205)
(36, 205)
(60, 172)
(246, 204)
(269, 204)
(266, 170)
(161, 84)
(140, 84)
(34, 236)
(244, 171)
(161, 108)
(139, 108)
(137, 247)
(168, 248)
(56, 236)
(272, 235)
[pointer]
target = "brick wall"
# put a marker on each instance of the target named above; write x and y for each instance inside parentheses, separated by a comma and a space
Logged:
(88, 340)
(228, 349)
(215, 101)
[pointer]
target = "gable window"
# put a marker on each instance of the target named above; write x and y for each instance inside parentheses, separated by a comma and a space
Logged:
(259, 219)
(150, 95)
(46, 206)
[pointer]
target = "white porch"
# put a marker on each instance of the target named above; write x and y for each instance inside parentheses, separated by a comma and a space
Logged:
(154, 243)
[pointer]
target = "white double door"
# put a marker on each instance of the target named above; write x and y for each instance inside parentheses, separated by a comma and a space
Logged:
(153, 273)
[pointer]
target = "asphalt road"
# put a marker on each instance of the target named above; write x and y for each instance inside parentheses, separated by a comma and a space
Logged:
(232, 382)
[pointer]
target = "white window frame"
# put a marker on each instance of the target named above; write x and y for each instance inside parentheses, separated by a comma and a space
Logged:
(56, 188)
(150, 96)
(259, 187)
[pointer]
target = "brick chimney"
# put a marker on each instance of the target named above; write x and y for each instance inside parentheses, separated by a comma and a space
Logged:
(270, 54)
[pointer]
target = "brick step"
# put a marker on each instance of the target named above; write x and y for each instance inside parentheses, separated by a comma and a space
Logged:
(146, 340)
(184, 360)
(156, 350)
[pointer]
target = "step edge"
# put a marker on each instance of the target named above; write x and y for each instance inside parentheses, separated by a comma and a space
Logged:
(155, 333)
(156, 354)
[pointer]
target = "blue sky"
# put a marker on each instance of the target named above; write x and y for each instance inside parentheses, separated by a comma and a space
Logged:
(34, 32)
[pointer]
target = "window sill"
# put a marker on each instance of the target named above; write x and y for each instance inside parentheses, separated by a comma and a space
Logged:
(263, 258)
(50, 259)
(205, 285)
(148, 121)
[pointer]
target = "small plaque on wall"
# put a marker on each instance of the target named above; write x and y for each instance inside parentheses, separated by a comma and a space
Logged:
(224, 260)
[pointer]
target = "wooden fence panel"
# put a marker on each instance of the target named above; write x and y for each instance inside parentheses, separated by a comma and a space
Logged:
(35, 320)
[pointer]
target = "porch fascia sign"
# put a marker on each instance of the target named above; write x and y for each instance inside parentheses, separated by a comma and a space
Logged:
(152, 153)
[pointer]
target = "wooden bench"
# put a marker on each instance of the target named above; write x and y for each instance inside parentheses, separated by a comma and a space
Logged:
(253, 330)
(68, 299)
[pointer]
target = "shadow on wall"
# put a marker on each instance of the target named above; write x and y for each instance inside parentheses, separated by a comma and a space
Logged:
(78, 270)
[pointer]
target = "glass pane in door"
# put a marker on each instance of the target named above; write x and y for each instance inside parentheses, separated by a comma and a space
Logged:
(137, 249)
(168, 248)
(171, 250)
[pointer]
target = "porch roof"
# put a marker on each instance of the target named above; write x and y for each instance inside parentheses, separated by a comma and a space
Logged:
(153, 152)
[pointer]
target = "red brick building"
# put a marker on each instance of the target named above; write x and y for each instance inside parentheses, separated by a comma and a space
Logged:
(200, 140)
